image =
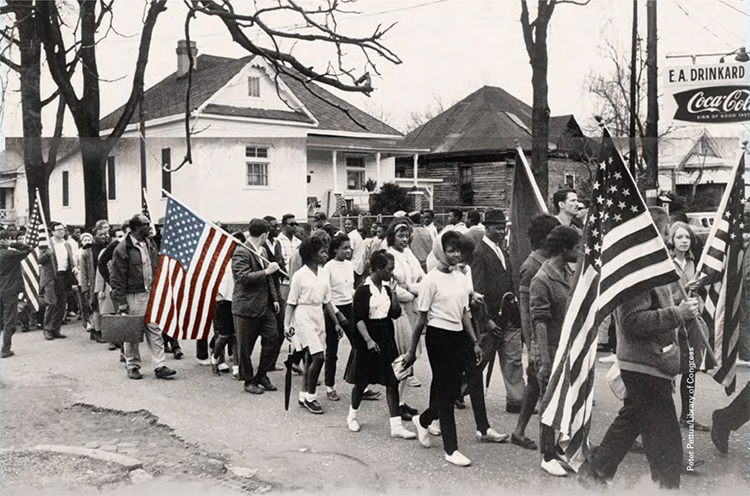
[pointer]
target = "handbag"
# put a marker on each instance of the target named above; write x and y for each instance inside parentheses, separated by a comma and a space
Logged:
(122, 328)
(399, 371)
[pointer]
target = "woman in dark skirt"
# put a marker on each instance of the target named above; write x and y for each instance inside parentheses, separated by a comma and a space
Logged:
(373, 345)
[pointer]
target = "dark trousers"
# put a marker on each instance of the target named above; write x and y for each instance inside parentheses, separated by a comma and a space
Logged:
(547, 442)
(445, 350)
(648, 410)
(279, 329)
(170, 342)
(332, 343)
(737, 413)
(55, 296)
(530, 395)
(9, 313)
(475, 387)
(248, 329)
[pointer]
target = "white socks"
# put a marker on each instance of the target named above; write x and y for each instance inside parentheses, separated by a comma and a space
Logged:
(398, 429)
(352, 414)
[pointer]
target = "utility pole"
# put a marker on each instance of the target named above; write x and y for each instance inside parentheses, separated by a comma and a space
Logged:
(142, 132)
(651, 148)
(633, 90)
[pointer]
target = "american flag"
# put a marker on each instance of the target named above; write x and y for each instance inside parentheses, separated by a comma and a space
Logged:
(147, 211)
(36, 237)
(721, 270)
(193, 257)
(624, 255)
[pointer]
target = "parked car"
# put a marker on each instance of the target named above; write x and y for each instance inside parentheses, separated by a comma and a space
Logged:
(701, 223)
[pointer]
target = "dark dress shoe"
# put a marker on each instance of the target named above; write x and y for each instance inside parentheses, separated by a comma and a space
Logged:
(48, 336)
(215, 369)
(112, 346)
(134, 374)
(296, 369)
(370, 395)
(460, 404)
(178, 354)
(412, 411)
(7, 354)
(697, 426)
(512, 408)
(164, 372)
(405, 415)
(58, 335)
(265, 383)
(720, 432)
(253, 388)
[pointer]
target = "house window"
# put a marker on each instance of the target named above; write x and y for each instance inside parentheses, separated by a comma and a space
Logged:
(253, 86)
(355, 173)
(256, 164)
(65, 189)
(464, 175)
(111, 182)
(166, 176)
(570, 180)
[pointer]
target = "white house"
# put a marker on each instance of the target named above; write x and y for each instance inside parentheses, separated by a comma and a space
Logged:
(258, 148)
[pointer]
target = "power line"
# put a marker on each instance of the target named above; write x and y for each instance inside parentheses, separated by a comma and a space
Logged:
(705, 28)
(734, 8)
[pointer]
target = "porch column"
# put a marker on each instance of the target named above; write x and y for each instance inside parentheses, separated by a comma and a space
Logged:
(416, 166)
(377, 168)
(335, 173)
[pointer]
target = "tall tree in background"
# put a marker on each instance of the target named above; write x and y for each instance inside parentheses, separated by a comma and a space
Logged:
(21, 36)
(85, 108)
(535, 38)
(651, 143)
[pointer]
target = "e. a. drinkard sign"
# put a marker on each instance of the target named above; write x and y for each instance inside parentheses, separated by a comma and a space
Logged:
(714, 94)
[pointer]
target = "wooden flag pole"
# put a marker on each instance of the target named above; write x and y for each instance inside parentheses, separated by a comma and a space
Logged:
(232, 238)
(704, 338)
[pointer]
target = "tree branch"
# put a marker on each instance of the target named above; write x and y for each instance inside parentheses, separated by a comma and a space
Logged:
(10, 63)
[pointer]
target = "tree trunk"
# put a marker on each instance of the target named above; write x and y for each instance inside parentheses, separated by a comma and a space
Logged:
(540, 113)
(633, 90)
(94, 157)
(651, 145)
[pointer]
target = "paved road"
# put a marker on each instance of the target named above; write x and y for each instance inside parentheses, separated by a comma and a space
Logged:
(300, 450)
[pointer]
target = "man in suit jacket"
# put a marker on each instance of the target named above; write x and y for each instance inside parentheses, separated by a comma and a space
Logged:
(492, 277)
(255, 304)
(56, 265)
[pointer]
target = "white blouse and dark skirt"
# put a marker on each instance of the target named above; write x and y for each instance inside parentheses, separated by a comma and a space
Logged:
(373, 307)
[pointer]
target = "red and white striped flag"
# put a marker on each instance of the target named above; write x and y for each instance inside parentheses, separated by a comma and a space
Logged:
(193, 256)
(624, 256)
(720, 268)
(36, 237)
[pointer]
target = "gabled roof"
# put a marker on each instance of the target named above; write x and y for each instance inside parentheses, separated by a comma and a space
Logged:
(490, 120)
(167, 98)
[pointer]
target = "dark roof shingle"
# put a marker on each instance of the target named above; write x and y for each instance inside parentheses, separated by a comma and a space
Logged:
(167, 98)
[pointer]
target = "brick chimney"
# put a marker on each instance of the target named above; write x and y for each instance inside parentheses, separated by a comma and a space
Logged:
(183, 62)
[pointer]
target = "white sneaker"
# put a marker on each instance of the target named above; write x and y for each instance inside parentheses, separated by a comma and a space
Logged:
(402, 432)
(207, 361)
(352, 424)
(223, 366)
(492, 436)
(434, 428)
(422, 433)
(608, 359)
(457, 459)
(553, 467)
(743, 363)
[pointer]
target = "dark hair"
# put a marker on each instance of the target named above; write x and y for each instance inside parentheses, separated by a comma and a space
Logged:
(660, 216)
(285, 218)
(428, 211)
(379, 260)
(390, 233)
(330, 229)
(53, 225)
(473, 217)
(4, 234)
(466, 245)
(336, 241)
(539, 228)
(269, 218)
(135, 221)
(239, 235)
(561, 195)
(679, 216)
(452, 238)
(320, 216)
(258, 227)
(458, 213)
(415, 217)
(561, 239)
(309, 248)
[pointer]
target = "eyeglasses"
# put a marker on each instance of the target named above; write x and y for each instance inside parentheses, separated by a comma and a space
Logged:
(293, 224)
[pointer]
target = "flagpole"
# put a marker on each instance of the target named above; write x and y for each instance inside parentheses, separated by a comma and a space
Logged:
(232, 238)
(41, 213)
(148, 207)
(534, 185)
(717, 217)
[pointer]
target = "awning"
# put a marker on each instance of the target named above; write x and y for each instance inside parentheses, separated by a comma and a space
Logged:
(8, 183)
(318, 142)
(711, 176)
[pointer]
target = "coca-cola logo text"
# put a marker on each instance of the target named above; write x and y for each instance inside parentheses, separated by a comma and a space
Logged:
(714, 104)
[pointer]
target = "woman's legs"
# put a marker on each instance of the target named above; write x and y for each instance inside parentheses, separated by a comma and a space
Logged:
(312, 369)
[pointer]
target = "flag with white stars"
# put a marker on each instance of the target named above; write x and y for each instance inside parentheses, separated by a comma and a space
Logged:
(720, 269)
(624, 255)
(193, 257)
(36, 237)
(147, 211)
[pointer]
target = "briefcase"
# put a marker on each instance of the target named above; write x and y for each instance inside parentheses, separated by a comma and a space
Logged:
(122, 328)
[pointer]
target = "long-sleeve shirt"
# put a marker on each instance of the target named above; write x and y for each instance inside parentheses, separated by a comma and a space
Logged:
(11, 277)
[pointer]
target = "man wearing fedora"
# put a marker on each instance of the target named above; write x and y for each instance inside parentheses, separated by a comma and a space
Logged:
(492, 277)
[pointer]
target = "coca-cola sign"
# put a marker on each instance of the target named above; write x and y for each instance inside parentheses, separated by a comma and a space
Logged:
(713, 104)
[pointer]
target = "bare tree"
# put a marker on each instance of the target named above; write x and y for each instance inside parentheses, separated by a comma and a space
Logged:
(85, 108)
(434, 108)
(21, 36)
(535, 38)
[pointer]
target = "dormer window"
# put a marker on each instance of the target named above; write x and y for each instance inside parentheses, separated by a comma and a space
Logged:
(253, 87)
